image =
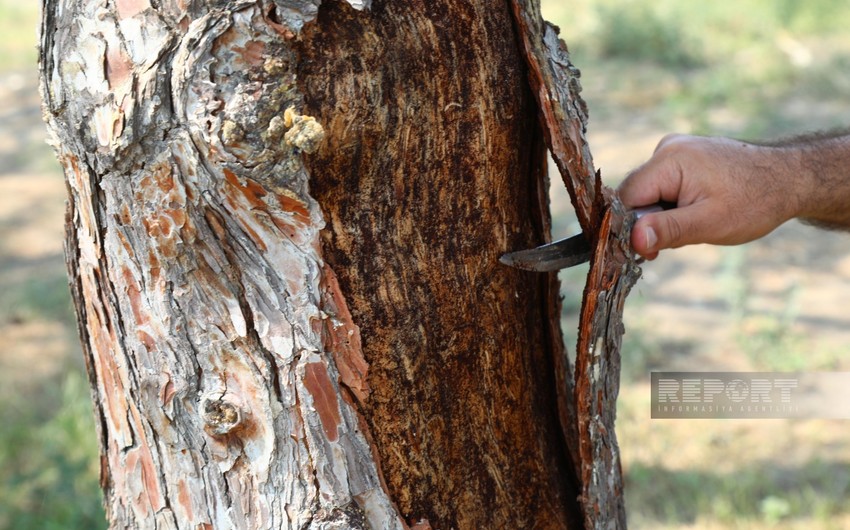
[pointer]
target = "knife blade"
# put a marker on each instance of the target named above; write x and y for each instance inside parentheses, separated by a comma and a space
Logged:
(550, 257)
(566, 252)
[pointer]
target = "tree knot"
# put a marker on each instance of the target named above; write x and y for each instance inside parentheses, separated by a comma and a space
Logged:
(220, 416)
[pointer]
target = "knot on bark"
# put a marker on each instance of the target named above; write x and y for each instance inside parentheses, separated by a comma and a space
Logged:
(220, 416)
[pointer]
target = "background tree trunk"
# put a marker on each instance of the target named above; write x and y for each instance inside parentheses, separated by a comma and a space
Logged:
(283, 233)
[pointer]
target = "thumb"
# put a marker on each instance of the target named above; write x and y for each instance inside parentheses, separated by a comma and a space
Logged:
(670, 229)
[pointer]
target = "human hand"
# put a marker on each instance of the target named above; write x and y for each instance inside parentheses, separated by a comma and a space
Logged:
(726, 192)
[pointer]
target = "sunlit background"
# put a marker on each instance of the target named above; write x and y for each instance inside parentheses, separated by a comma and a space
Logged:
(750, 69)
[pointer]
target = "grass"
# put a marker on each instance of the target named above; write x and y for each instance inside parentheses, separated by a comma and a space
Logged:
(48, 461)
(763, 492)
(708, 66)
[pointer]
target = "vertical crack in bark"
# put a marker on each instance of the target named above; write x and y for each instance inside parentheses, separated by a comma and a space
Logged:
(72, 257)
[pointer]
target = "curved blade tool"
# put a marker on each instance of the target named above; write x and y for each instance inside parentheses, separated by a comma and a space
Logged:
(551, 257)
(566, 252)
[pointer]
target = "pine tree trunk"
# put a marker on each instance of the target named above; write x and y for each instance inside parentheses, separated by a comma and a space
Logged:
(283, 236)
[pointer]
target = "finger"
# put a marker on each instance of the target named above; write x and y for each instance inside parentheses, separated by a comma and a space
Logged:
(659, 179)
(644, 240)
(634, 191)
(672, 229)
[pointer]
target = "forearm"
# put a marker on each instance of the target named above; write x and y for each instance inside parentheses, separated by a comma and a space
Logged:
(729, 192)
(823, 180)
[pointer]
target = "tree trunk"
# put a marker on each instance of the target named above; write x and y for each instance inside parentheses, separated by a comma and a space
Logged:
(283, 236)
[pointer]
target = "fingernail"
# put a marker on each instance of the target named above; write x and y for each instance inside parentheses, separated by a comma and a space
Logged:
(651, 238)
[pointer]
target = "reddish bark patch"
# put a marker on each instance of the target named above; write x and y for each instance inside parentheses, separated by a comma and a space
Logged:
(178, 216)
(341, 337)
(252, 191)
(318, 384)
(253, 53)
(216, 223)
(101, 339)
(153, 265)
(243, 224)
(134, 295)
(149, 479)
(226, 40)
(295, 207)
(147, 340)
(139, 463)
(289, 230)
(158, 227)
(118, 67)
(126, 217)
(167, 393)
(131, 8)
(184, 499)
(126, 244)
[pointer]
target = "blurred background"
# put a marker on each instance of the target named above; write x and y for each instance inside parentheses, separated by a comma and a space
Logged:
(750, 69)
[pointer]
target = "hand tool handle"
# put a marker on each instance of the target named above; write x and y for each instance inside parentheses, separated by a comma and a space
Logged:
(657, 207)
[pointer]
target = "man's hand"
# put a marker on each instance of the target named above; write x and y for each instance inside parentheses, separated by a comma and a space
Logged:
(729, 192)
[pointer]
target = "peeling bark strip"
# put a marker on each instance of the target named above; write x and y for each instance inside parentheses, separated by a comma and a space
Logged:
(217, 341)
(613, 271)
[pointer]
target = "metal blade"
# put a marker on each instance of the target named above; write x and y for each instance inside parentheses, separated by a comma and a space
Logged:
(551, 257)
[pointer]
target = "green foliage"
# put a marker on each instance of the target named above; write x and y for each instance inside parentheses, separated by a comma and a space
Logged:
(812, 16)
(18, 29)
(642, 33)
(48, 461)
(719, 68)
(762, 492)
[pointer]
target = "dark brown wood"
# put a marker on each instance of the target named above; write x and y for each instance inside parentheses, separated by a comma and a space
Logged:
(432, 170)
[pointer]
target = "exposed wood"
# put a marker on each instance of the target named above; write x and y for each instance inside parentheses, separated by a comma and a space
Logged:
(460, 348)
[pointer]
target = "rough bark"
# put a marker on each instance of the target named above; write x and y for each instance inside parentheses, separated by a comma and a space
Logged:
(613, 270)
(283, 232)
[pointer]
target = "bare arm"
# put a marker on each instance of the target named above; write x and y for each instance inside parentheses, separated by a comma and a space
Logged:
(730, 192)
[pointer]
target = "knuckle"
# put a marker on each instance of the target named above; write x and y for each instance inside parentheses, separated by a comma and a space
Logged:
(668, 138)
(671, 139)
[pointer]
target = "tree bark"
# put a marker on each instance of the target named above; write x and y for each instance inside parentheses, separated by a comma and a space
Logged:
(283, 234)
